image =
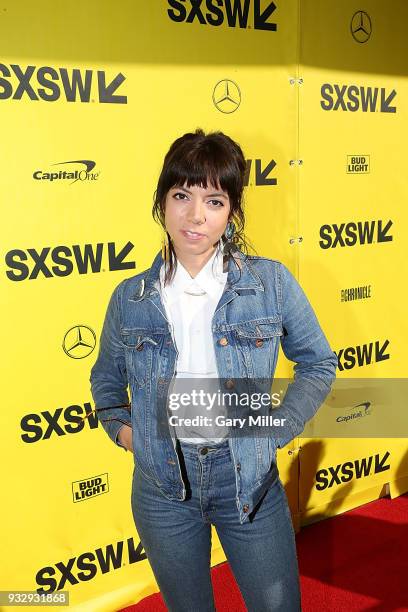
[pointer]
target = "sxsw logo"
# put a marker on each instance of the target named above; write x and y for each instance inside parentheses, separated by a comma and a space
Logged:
(355, 233)
(63, 260)
(88, 565)
(362, 355)
(50, 84)
(90, 487)
(60, 422)
(350, 470)
(262, 172)
(236, 13)
(354, 98)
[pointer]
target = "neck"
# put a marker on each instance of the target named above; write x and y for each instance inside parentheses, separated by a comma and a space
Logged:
(193, 263)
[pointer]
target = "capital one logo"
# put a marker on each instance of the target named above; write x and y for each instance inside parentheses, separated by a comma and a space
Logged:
(357, 412)
(75, 170)
(236, 13)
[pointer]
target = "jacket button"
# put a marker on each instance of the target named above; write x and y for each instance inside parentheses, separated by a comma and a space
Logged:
(223, 341)
(259, 342)
(140, 347)
(238, 467)
(245, 508)
(204, 451)
(229, 384)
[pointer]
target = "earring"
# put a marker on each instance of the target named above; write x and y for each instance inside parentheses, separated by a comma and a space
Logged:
(165, 249)
(229, 230)
(229, 245)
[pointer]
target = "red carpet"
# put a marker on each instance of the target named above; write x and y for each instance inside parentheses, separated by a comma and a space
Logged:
(352, 562)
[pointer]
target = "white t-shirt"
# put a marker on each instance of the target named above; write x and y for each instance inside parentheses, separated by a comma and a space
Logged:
(190, 304)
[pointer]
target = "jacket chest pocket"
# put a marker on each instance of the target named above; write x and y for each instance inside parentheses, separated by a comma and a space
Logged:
(258, 344)
(142, 347)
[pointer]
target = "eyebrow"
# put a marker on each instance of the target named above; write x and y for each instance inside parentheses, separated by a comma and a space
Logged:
(210, 195)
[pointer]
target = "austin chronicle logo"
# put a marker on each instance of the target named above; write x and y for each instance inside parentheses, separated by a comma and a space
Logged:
(79, 342)
(226, 96)
(360, 27)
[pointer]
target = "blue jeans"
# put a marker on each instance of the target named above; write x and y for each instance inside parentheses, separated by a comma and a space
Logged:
(176, 536)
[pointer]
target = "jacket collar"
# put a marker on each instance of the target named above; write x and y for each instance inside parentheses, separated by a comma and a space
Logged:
(208, 280)
(241, 275)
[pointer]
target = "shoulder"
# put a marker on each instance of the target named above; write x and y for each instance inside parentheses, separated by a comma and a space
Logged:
(272, 272)
(265, 264)
(261, 260)
(258, 260)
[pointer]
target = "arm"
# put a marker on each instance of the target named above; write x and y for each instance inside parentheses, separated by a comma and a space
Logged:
(108, 375)
(305, 344)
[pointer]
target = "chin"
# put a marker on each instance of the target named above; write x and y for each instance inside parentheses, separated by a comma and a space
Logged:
(200, 246)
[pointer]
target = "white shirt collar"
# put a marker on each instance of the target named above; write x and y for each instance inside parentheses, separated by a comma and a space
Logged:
(208, 280)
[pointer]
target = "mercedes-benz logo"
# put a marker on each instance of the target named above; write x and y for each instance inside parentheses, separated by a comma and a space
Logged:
(361, 26)
(226, 96)
(79, 342)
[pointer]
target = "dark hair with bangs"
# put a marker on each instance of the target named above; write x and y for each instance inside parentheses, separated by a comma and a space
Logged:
(196, 158)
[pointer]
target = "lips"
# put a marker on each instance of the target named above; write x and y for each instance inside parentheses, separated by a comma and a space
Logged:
(191, 233)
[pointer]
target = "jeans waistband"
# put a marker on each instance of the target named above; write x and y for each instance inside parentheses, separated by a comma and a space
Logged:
(213, 447)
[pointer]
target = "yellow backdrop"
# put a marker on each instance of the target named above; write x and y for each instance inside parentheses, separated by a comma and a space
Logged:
(91, 96)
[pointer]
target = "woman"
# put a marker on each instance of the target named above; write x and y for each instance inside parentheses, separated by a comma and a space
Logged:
(205, 311)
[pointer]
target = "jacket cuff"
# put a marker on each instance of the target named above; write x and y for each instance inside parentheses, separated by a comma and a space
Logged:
(302, 400)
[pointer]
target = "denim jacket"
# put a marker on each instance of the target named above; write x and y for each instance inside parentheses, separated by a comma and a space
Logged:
(262, 306)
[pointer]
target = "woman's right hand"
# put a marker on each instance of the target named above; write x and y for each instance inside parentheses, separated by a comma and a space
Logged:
(125, 437)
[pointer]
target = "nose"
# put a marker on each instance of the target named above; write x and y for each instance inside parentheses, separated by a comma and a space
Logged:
(196, 212)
